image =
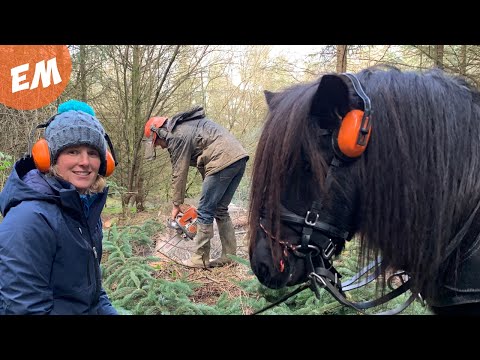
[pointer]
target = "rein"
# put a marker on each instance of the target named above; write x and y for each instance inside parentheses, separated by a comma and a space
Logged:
(324, 275)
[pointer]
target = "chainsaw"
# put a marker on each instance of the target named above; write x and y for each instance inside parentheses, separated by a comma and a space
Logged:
(186, 224)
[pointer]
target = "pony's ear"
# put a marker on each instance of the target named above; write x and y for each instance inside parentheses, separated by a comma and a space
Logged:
(269, 97)
(330, 101)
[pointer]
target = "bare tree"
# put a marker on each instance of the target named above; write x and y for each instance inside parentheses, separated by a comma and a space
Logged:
(463, 60)
(341, 58)
(139, 81)
(439, 50)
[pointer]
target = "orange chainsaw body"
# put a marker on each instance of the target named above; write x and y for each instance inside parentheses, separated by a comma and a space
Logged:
(187, 222)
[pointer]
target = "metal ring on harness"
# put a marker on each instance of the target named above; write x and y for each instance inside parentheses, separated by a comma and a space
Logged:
(298, 253)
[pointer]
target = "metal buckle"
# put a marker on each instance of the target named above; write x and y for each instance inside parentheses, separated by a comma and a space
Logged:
(308, 222)
(314, 276)
(328, 252)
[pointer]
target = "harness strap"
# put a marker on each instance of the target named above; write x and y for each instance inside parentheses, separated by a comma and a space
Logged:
(306, 233)
(349, 284)
(323, 277)
(468, 231)
(461, 283)
(318, 280)
(291, 217)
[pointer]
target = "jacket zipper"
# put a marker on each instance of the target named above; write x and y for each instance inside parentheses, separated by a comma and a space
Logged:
(95, 264)
(88, 264)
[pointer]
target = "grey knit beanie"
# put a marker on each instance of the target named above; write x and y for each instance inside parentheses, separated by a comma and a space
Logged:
(73, 127)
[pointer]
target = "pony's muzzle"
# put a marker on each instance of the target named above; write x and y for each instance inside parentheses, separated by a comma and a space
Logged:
(270, 274)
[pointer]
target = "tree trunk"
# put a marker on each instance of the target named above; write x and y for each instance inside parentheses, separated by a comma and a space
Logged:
(463, 60)
(82, 68)
(132, 184)
(341, 58)
(439, 56)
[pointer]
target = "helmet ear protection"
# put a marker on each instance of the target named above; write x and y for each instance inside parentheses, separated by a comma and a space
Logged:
(40, 152)
(160, 132)
(351, 139)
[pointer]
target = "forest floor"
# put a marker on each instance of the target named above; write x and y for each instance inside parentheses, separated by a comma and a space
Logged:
(171, 249)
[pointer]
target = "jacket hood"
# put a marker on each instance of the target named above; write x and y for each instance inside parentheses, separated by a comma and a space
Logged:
(197, 112)
(27, 183)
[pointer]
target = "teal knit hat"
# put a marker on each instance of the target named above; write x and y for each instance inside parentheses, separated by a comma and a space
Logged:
(76, 124)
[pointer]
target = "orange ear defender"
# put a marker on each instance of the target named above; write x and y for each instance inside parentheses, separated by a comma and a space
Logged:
(355, 128)
(110, 158)
(41, 155)
(110, 168)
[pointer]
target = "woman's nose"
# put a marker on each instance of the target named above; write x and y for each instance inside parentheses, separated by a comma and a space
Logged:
(83, 158)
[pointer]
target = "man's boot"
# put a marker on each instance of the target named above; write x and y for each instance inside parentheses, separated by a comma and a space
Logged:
(229, 243)
(200, 258)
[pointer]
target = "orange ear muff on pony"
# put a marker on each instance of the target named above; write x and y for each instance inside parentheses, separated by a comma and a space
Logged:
(352, 137)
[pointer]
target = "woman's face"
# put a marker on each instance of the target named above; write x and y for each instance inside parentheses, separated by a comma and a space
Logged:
(79, 166)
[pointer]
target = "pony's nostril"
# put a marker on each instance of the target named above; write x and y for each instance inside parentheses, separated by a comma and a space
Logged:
(272, 281)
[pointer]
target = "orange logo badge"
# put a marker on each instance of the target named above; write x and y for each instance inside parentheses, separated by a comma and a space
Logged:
(32, 76)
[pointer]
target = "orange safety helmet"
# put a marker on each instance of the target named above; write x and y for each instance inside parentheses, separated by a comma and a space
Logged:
(154, 123)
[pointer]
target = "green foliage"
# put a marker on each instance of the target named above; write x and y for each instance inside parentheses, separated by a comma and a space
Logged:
(6, 162)
(118, 241)
(242, 193)
(113, 205)
(151, 227)
(194, 183)
(114, 189)
(129, 282)
(121, 269)
(122, 311)
(161, 297)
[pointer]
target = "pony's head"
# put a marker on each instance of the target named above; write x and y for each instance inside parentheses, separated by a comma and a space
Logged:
(401, 174)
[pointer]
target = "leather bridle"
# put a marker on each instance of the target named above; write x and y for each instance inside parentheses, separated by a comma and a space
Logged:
(321, 273)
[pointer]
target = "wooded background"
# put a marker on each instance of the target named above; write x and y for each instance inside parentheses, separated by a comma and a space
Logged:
(127, 84)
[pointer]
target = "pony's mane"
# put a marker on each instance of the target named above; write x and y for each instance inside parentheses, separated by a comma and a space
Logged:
(418, 178)
(287, 135)
(420, 174)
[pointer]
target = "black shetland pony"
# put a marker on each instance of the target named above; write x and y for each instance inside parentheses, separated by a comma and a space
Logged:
(410, 194)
